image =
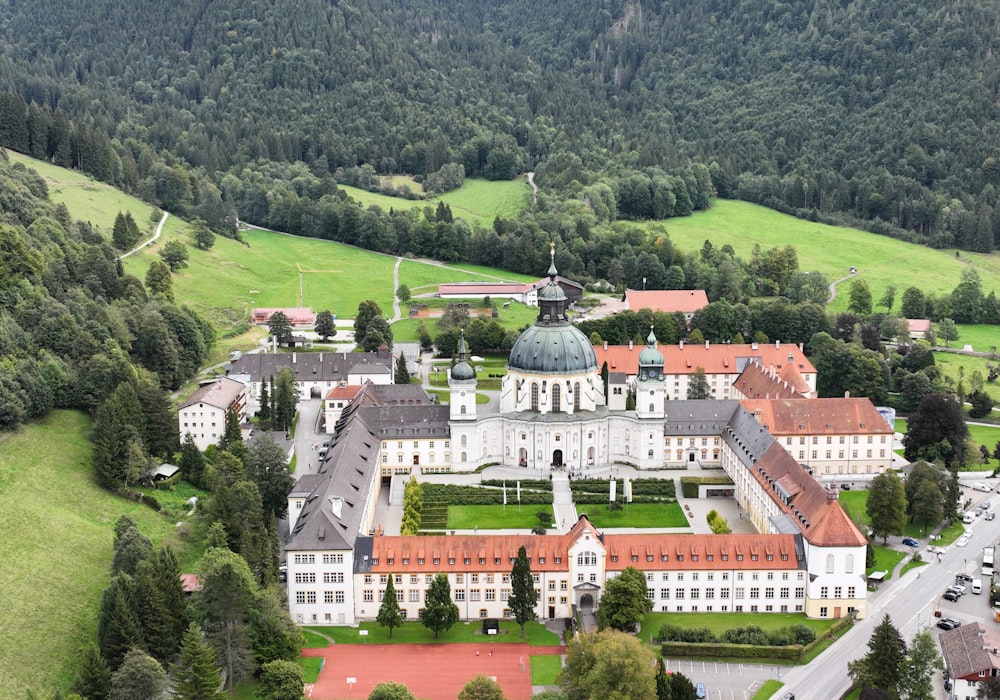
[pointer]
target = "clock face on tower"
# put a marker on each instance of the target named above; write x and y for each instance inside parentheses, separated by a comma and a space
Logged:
(651, 374)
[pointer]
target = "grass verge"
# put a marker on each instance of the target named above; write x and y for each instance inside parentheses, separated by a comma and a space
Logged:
(722, 621)
(510, 516)
(767, 690)
(535, 634)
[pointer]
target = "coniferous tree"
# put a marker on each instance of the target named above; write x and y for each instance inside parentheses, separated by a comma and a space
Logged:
(274, 637)
(439, 612)
(140, 677)
(131, 548)
(118, 628)
(159, 280)
(401, 375)
(882, 666)
(389, 615)
(285, 397)
(197, 676)
(232, 435)
(162, 607)
(93, 680)
(225, 604)
(264, 412)
(267, 467)
(523, 598)
(192, 462)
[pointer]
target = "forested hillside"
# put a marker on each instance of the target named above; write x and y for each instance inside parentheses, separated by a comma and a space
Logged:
(878, 114)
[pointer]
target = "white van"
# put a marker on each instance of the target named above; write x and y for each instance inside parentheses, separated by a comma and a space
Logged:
(969, 517)
(977, 586)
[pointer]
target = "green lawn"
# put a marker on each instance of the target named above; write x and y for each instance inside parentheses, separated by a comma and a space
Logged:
(886, 560)
(832, 250)
(496, 517)
(722, 621)
(311, 666)
(55, 551)
(912, 564)
(445, 397)
(768, 690)
(981, 336)
(636, 515)
(980, 435)
(949, 363)
(515, 317)
(545, 669)
(425, 276)
(86, 198)
(477, 201)
(535, 634)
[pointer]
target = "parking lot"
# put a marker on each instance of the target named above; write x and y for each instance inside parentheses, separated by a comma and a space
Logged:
(725, 681)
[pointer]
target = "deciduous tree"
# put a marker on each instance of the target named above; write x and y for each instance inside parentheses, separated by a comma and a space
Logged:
(326, 327)
(481, 688)
(175, 255)
(698, 387)
(922, 661)
(391, 691)
(140, 677)
(608, 664)
(860, 298)
(947, 331)
(280, 328)
(886, 506)
(624, 601)
(938, 417)
(268, 468)
(280, 680)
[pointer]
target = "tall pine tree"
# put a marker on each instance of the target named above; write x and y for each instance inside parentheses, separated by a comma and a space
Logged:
(388, 612)
(523, 598)
(197, 676)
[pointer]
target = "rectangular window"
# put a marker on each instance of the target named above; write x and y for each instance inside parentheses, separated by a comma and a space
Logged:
(333, 577)
(823, 612)
(327, 596)
(504, 594)
(310, 596)
(339, 597)
(665, 594)
(769, 592)
(474, 594)
(754, 592)
(491, 594)
(800, 592)
(414, 595)
(679, 593)
(459, 596)
(824, 592)
(300, 597)
(368, 596)
(695, 593)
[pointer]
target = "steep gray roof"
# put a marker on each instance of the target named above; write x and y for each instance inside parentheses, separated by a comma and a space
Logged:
(310, 366)
(746, 437)
(698, 417)
(220, 393)
(970, 649)
(409, 421)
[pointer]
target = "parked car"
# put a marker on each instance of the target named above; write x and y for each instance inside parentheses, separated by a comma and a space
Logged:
(788, 696)
(958, 588)
(951, 595)
(980, 486)
(961, 541)
(963, 578)
(948, 623)
(991, 515)
(846, 487)
(699, 691)
(910, 542)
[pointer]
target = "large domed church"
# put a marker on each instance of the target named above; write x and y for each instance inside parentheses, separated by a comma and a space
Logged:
(553, 410)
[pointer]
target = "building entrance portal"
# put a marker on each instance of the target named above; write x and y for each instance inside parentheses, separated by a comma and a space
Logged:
(557, 458)
(522, 457)
(586, 602)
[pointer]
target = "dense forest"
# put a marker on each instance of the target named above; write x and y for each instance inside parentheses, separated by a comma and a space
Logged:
(874, 114)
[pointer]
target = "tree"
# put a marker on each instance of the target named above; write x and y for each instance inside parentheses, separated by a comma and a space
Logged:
(914, 303)
(947, 331)
(401, 375)
(624, 601)
(888, 297)
(377, 334)
(268, 468)
(93, 680)
(413, 503)
(523, 599)
(989, 688)
(175, 255)
(367, 310)
(140, 677)
(439, 612)
(389, 614)
(391, 691)
(162, 607)
(403, 293)
(912, 390)
(882, 666)
(608, 664)
(481, 688)
(280, 328)
(203, 237)
(698, 387)
(274, 636)
(938, 418)
(917, 678)
(224, 605)
(159, 281)
(118, 628)
(280, 680)
(860, 298)
(928, 504)
(285, 397)
(681, 688)
(982, 404)
(326, 327)
(886, 506)
(196, 674)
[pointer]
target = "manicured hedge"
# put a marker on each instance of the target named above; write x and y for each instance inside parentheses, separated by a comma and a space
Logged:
(458, 495)
(434, 516)
(690, 484)
(733, 651)
(529, 484)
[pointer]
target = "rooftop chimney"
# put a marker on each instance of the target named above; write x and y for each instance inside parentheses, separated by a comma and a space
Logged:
(753, 346)
(293, 358)
(630, 345)
(847, 394)
(777, 344)
(605, 345)
(682, 343)
(707, 343)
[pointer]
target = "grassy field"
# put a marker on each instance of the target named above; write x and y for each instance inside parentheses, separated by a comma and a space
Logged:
(477, 201)
(853, 503)
(980, 435)
(423, 277)
(636, 515)
(949, 363)
(496, 517)
(722, 621)
(88, 199)
(545, 669)
(535, 634)
(982, 337)
(515, 317)
(832, 250)
(55, 551)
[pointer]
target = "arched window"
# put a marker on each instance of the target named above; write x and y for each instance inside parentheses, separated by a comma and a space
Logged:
(534, 396)
(849, 565)
(576, 396)
(829, 563)
(465, 440)
(464, 410)
(586, 559)
(652, 407)
(464, 457)
(556, 398)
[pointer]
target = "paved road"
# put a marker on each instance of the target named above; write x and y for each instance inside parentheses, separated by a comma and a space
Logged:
(910, 603)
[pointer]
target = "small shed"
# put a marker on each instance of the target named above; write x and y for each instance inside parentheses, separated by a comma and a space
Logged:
(876, 578)
(164, 472)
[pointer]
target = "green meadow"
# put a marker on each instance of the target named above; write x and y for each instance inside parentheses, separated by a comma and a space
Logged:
(832, 250)
(961, 367)
(981, 336)
(56, 549)
(88, 199)
(477, 201)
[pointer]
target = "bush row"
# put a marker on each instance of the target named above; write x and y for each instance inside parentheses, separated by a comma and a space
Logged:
(457, 495)
(533, 484)
(733, 651)
(588, 498)
(752, 634)
(652, 487)
(434, 515)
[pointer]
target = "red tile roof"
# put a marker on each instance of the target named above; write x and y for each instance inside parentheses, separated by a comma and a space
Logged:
(667, 300)
(297, 316)
(758, 382)
(918, 325)
(833, 416)
(714, 359)
(190, 583)
(686, 552)
(479, 289)
(344, 392)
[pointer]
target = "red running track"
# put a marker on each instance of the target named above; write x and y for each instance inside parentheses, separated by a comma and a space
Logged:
(430, 671)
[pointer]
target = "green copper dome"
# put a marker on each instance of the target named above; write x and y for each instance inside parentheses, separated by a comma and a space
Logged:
(650, 355)
(462, 371)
